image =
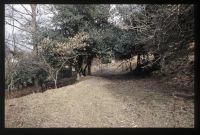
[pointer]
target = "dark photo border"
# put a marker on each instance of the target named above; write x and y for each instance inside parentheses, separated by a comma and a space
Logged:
(103, 130)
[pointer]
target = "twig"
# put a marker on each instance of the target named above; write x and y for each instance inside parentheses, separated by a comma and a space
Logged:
(17, 27)
(27, 11)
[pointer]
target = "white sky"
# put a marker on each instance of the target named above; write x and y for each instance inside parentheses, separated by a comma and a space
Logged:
(45, 18)
(42, 17)
(8, 28)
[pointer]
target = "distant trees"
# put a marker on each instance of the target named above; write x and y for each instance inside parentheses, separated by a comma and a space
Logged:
(92, 19)
(25, 24)
(78, 33)
(54, 55)
(158, 30)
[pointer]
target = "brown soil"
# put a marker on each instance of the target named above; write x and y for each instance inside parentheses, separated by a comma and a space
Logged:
(106, 101)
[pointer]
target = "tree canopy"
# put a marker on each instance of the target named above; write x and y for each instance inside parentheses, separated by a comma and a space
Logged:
(78, 33)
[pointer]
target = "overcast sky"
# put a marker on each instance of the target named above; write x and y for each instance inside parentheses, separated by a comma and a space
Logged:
(8, 28)
(44, 18)
(115, 17)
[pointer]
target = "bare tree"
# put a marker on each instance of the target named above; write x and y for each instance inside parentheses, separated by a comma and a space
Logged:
(34, 29)
(25, 22)
(52, 71)
(10, 60)
(157, 28)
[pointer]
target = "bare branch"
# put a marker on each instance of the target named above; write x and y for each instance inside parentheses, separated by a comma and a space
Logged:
(28, 12)
(20, 45)
(15, 46)
(17, 27)
(19, 11)
(14, 19)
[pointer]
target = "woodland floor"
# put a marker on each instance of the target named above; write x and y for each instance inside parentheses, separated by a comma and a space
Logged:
(102, 101)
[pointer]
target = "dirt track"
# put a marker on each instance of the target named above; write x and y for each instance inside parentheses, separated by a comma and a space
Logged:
(109, 101)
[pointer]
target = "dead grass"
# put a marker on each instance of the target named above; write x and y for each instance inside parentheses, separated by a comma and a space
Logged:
(101, 102)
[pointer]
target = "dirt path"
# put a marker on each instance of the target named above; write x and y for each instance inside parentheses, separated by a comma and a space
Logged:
(101, 102)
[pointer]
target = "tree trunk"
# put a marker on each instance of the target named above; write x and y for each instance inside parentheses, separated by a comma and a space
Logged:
(55, 83)
(36, 83)
(77, 76)
(56, 78)
(80, 65)
(147, 56)
(156, 56)
(89, 69)
(10, 86)
(130, 66)
(157, 60)
(34, 29)
(70, 68)
(138, 67)
(89, 64)
(85, 71)
(162, 64)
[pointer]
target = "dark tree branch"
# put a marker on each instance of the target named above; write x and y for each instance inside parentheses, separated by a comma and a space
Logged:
(17, 27)
(28, 12)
